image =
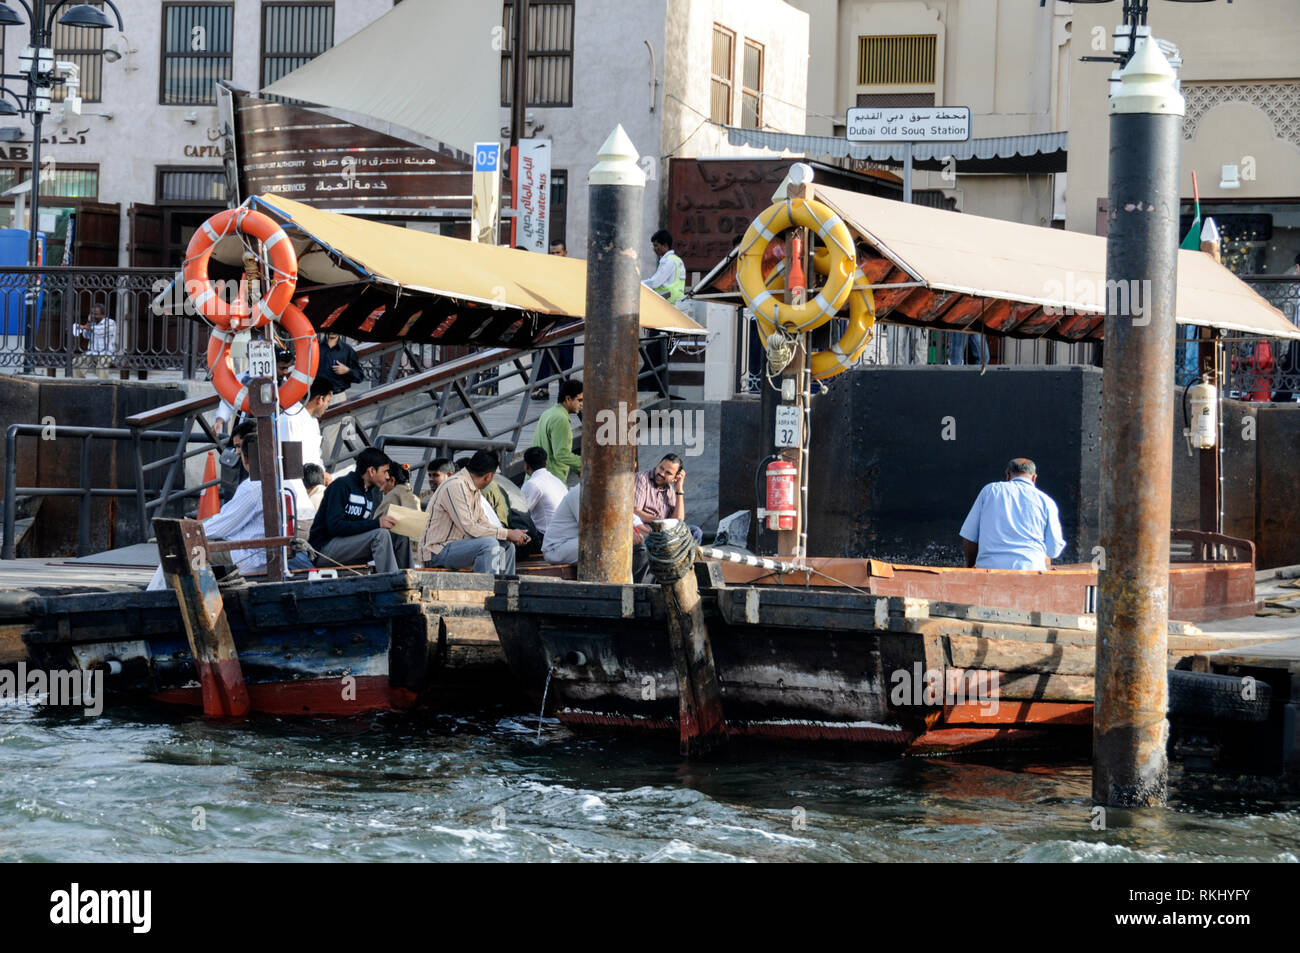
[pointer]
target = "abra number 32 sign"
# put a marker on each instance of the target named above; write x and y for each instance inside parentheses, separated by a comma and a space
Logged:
(788, 426)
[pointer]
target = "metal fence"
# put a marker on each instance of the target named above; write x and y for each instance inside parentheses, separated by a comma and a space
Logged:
(428, 402)
(1259, 369)
(48, 321)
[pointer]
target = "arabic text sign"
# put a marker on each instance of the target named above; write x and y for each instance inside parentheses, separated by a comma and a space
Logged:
(532, 182)
(919, 124)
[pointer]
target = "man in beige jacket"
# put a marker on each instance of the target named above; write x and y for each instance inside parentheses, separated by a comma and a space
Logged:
(459, 534)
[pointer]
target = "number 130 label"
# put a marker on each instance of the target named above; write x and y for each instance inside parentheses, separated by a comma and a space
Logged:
(789, 422)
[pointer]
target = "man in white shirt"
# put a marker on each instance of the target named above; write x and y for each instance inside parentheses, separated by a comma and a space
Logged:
(560, 543)
(101, 332)
(239, 518)
(301, 423)
(1013, 524)
(543, 489)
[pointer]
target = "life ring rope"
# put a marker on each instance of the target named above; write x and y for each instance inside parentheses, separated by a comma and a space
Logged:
(838, 241)
(844, 353)
(279, 263)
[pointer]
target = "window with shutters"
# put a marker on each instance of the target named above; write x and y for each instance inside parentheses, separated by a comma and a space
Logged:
(82, 46)
(196, 52)
(294, 34)
(751, 87)
(722, 76)
(186, 185)
(896, 60)
(549, 79)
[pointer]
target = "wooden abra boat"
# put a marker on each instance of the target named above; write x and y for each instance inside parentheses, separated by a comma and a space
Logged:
(322, 647)
(821, 664)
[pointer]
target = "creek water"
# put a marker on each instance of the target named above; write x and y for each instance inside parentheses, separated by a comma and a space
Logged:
(149, 785)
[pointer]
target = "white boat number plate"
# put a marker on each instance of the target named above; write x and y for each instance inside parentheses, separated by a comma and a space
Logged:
(261, 359)
(789, 420)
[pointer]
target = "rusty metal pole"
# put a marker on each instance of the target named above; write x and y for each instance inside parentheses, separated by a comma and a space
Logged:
(617, 186)
(1130, 732)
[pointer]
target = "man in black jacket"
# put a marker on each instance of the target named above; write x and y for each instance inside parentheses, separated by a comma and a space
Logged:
(345, 529)
(339, 363)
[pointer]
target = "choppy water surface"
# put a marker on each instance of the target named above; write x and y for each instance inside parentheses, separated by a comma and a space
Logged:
(125, 787)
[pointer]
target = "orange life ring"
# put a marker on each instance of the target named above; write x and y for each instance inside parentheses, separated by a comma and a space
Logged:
(284, 267)
(306, 358)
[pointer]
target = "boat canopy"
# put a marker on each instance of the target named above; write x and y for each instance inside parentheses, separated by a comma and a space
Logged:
(377, 282)
(958, 272)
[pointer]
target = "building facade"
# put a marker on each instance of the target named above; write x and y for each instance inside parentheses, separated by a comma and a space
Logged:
(661, 68)
(148, 133)
(148, 137)
(1007, 62)
(1241, 131)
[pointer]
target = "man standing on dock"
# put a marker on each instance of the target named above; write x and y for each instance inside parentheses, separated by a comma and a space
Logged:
(345, 530)
(1013, 524)
(555, 433)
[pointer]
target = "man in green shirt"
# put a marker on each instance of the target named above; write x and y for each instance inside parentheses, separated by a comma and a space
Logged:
(555, 434)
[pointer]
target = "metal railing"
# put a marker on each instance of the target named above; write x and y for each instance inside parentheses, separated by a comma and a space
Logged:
(1257, 368)
(414, 408)
(41, 309)
(83, 489)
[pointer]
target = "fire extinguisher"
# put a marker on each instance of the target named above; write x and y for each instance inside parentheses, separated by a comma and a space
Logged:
(1203, 398)
(780, 511)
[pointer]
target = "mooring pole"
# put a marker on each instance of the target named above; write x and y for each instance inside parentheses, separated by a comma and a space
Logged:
(1130, 733)
(183, 550)
(617, 185)
(262, 402)
(699, 694)
(1209, 364)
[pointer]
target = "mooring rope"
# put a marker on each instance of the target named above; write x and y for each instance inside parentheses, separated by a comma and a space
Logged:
(671, 550)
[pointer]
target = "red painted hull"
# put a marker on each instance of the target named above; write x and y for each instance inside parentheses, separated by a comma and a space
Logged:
(1016, 725)
(309, 697)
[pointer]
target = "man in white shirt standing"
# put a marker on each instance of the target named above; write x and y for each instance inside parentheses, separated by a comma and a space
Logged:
(543, 489)
(101, 332)
(1013, 524)
(301, 422)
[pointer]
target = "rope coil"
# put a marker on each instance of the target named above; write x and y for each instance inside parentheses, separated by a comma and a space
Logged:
(671, 550)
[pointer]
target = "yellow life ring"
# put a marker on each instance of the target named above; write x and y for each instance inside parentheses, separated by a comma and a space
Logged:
(841, 263)
(862, 317)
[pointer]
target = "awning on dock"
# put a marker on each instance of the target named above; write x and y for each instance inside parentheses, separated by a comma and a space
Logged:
(968, 272)
(378, 282)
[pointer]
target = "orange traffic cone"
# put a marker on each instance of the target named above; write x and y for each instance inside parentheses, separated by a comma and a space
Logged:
(210, 501)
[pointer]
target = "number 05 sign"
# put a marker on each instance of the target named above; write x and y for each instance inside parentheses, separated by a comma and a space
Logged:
(789, 421)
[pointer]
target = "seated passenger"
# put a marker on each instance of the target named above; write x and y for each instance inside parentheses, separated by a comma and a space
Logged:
(459, 534)
(561, 543)
(543, 489)
(658, 494)
(346, 530)
(1013, 524)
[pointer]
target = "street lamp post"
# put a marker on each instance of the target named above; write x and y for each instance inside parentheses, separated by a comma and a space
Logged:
(37, 70)
(39, 75)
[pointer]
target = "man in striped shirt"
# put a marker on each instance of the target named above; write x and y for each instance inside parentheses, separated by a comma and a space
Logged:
(459, 534)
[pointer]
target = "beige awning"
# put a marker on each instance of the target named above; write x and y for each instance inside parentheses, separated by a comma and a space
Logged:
(405, 68)
(1023, 280)
(378, 282)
